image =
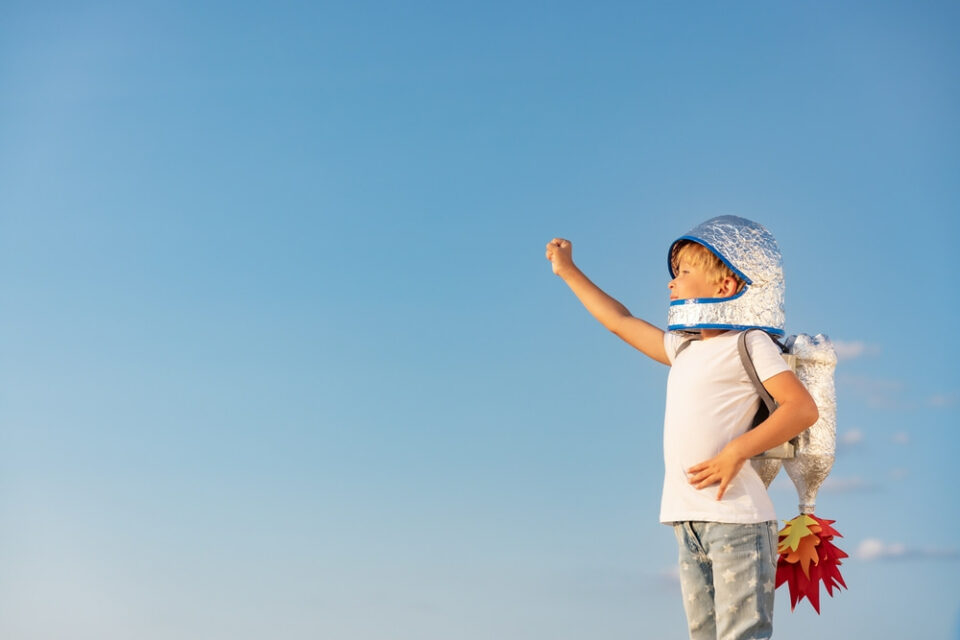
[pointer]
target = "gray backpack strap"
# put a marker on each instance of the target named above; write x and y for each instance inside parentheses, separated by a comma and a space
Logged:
(683, 345)
(769, 404)
(787, 449)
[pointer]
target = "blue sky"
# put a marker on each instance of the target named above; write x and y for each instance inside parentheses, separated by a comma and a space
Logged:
(280, 354)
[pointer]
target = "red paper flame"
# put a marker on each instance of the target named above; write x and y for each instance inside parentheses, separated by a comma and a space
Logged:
(809, 559)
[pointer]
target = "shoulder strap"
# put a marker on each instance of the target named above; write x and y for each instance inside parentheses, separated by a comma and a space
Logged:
(787, 449)
(683, 345)
(769, 404)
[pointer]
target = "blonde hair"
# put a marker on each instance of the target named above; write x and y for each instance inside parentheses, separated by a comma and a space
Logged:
(702, 258)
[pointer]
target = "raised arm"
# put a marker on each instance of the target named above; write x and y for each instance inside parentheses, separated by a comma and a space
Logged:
(611, 314)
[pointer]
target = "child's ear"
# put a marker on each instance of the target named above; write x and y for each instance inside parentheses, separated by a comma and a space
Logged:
(728, 287)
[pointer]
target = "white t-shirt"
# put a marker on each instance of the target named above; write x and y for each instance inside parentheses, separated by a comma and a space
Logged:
(711, 401)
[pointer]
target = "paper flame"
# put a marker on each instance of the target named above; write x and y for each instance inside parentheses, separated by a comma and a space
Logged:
(809, 557)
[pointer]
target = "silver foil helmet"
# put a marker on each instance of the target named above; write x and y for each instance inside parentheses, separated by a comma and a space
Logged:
(752, 253)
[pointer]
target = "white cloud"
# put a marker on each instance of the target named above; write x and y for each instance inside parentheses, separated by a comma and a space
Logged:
(898, 474)
(850, 349)
(900, 437)
(943, 399)
(872, 549)
(850, 438)
(671, 574)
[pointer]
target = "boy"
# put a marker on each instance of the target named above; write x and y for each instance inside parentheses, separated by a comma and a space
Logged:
(724, 521)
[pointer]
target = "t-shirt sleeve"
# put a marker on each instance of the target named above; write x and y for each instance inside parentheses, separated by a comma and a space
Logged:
(671, 341)
(766, 356)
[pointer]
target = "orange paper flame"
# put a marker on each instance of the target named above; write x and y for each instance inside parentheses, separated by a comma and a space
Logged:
(807, 558)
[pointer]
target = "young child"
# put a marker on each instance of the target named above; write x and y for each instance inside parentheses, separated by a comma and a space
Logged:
(718, 506)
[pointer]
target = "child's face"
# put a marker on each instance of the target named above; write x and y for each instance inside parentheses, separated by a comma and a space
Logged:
(692, 282)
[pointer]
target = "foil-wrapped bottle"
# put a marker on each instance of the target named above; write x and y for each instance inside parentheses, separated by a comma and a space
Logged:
(815, 361)
(767, 468)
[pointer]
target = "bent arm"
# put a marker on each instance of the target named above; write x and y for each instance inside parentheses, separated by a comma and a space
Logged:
(614, 316)
(796, 411)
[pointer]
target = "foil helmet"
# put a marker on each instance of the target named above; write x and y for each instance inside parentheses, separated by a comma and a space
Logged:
(751, 252)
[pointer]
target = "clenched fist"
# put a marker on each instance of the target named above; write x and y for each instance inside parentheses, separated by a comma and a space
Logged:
(560, 255)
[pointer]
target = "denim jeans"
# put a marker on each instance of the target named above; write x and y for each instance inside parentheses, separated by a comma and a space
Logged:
(727, 576)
